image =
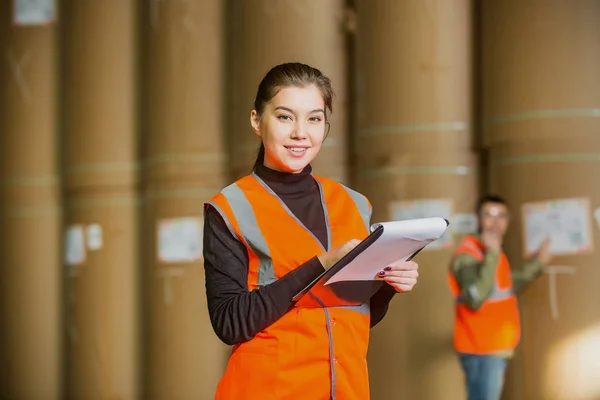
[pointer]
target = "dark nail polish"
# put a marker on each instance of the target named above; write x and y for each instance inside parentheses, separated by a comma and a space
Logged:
(381, 273)
(388, 268)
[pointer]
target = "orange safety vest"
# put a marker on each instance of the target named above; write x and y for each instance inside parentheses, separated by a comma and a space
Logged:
(494, 327)
(309, 353)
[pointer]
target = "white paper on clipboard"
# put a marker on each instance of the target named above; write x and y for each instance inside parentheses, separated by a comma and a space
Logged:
(425, 208)
(399, 240)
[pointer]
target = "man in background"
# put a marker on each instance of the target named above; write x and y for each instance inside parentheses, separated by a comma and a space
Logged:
(487, 328)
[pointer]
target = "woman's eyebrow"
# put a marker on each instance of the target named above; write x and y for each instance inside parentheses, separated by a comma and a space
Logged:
(292, 111)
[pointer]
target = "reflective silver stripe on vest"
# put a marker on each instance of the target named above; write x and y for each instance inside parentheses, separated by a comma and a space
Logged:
(361, 309)
(331, 356)
(498, 294)
(326, 212)
(246, 219)
(495, 295)
(362, 204)
(224, 216)
(291, 214)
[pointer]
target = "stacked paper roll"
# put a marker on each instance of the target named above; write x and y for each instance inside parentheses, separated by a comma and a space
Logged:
(414, 148)
(183, 167)
(539, 75)
(30, 209)
(265, 33)
(100, 165)
(541, 97)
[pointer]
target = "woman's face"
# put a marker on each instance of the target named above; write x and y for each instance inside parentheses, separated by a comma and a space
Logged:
(292, 128)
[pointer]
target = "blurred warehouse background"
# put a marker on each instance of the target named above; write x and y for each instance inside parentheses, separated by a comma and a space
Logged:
(119, 118)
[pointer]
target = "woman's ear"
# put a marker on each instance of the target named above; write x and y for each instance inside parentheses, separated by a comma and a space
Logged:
(255, 122)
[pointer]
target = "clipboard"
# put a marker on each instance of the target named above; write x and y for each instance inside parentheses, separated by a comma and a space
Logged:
(346, 293)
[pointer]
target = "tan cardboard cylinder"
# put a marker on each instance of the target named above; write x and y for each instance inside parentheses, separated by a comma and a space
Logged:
(266, 33)
(100, 150)
(411, 354)
(184, 166)
(540, 75)
(30, 212)
(413, 77)
(559, 346)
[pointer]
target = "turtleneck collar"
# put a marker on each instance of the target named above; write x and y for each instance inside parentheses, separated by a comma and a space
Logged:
(286, 183)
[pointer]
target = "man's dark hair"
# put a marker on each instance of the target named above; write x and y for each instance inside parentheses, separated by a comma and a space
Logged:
(490, 198)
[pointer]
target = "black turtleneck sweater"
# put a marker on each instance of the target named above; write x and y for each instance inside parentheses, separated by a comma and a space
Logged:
(238, 314)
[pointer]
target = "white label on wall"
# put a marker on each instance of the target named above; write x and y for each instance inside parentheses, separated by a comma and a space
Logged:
(74, 245)
(34, 12)
(566, 221)
(94, 237)
(464, 223)
(425, 208)
(180, 240)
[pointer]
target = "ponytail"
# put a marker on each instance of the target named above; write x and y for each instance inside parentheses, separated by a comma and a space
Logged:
(260, 157)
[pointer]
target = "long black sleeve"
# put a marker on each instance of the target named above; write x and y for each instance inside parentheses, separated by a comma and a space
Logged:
(380, 303)
(236, 313)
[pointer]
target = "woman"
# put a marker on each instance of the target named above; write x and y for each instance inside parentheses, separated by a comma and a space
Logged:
(269, 235)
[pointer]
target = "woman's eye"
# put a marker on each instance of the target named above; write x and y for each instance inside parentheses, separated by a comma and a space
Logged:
(315, 119)
(284, 117)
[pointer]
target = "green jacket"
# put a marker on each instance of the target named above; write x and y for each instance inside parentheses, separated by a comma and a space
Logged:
(476, 279)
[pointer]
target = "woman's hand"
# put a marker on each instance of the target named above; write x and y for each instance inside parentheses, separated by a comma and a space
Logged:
(333, 256)
(401, 275)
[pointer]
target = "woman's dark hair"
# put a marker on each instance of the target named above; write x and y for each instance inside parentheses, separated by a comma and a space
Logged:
(286, 75)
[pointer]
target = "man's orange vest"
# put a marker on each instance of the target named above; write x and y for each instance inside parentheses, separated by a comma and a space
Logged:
(309, 353)
(494, 327)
